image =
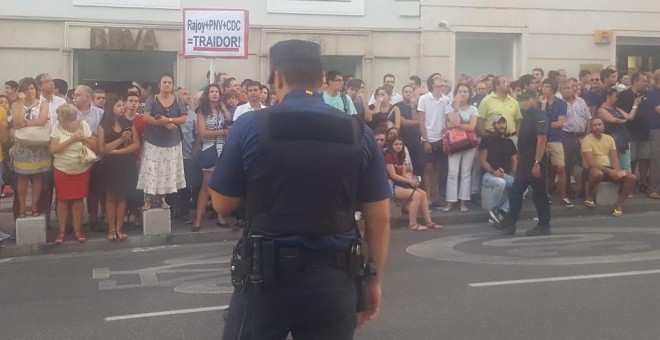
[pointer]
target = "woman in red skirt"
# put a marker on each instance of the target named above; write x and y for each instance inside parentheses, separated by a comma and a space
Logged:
(71, 170)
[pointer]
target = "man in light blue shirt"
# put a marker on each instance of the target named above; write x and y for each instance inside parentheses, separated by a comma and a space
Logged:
(334, 95)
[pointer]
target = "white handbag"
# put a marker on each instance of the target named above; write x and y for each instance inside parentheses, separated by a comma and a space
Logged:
(33, 135)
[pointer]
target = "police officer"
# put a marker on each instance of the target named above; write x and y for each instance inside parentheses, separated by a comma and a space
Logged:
(532, 168)
(302, 168)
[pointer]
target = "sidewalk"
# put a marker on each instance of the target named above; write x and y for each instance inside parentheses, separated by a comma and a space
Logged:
(181, 233)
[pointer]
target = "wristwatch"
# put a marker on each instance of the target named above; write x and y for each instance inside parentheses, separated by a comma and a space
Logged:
(536, 162)
(170, 120)
(424, 140)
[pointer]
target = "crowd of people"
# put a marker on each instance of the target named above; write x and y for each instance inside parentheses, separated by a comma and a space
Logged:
(155, 145)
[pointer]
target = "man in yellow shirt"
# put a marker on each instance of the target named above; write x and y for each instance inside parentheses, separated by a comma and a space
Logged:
(500, 102)
(601, 162)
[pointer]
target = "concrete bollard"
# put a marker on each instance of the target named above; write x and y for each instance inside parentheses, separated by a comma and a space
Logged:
(607, 193)
(156, 222)
(30, 230)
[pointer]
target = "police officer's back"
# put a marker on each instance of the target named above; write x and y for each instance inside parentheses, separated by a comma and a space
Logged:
(302, 168)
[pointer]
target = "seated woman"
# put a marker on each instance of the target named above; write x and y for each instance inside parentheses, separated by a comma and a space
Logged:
(404, 187)
(71, 173)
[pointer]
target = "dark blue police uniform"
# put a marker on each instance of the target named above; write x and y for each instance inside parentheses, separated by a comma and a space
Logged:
(302, 167)
(534, 123)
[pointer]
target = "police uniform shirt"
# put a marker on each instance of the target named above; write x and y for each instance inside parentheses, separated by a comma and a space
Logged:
(235, 166)
(534, 123)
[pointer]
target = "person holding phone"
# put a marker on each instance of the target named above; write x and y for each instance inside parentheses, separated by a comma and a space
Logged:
(117, 141)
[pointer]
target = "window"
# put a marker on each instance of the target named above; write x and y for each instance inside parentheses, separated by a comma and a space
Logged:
(161, 4)
(318, 7)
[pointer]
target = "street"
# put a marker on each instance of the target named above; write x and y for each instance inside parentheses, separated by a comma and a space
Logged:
(594, 278)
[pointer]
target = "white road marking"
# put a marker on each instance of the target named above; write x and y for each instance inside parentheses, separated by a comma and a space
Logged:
(164, 313)
(564, 278)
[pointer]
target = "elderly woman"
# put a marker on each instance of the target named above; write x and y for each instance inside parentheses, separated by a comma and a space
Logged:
(69, 141)
(31, 160)
(161, 169)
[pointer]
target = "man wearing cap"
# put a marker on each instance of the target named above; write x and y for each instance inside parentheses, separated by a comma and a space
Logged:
(497, 155)
(302, 169)
(531, 169)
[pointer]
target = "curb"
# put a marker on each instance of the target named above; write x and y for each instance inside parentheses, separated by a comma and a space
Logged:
(133, 241)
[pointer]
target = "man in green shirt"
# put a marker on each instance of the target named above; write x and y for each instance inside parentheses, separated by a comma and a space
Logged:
(334, 95)
(502, 103)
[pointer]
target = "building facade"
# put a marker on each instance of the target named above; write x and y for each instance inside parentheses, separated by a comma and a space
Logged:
(111, 42)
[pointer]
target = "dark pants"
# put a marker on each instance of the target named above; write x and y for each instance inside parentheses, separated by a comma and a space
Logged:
(654, 168)
(193, 173)
(320, 305)
(524, 179)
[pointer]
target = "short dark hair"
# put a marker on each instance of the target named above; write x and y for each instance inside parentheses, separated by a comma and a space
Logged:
(553, 74)
(621, 75)
(354, 84)
(348, 77)
(526, 80)
(12, 84)
(611, 91)
(515, 84)
(304, 75)
(553, 84)
(245, 82)
(231, 93)
(584, 73)
(252, 83)
(61, 85)
(496, 82)
(604, 74)
(331, 75)
(403, 89)
(417, 80)
(227, 82)
(527, 95)
(429, 80)
(389, 75)
(635, 77)
(99, 91)
(539, 69)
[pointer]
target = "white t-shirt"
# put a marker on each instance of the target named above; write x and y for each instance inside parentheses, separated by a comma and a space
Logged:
(394, 99)
(52, 108)
(435, 114)
(241, 109)
(466, 114)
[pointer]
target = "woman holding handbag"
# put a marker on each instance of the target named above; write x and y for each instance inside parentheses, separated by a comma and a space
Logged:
(462, 117)
(118, 142)
(30, 155)
(212, 121)
(73, 149)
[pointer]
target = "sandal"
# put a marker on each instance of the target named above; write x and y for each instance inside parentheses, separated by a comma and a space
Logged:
(464, 209)
(121, 236)
(163, 204)
(589, 203)
(60, 238)
(79, 236)
(617, 212)
(146, 206)
(433, 225)
(22, 215)
(417, 227)
(196, 228)
(446, 209)
(112, 236)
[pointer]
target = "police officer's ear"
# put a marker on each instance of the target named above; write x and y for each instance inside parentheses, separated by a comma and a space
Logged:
(278, 82)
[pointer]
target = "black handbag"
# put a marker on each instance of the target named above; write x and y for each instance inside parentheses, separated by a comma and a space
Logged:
(208, 157)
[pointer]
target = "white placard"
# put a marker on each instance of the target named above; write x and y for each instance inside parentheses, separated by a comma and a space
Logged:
(215, 33)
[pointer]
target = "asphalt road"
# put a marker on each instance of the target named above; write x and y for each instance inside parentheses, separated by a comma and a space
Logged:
(594, 278)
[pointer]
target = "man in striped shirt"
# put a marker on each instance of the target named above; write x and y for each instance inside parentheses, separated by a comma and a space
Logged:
(575, 128)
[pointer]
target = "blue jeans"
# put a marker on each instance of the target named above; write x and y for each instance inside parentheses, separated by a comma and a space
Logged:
(498, 185)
